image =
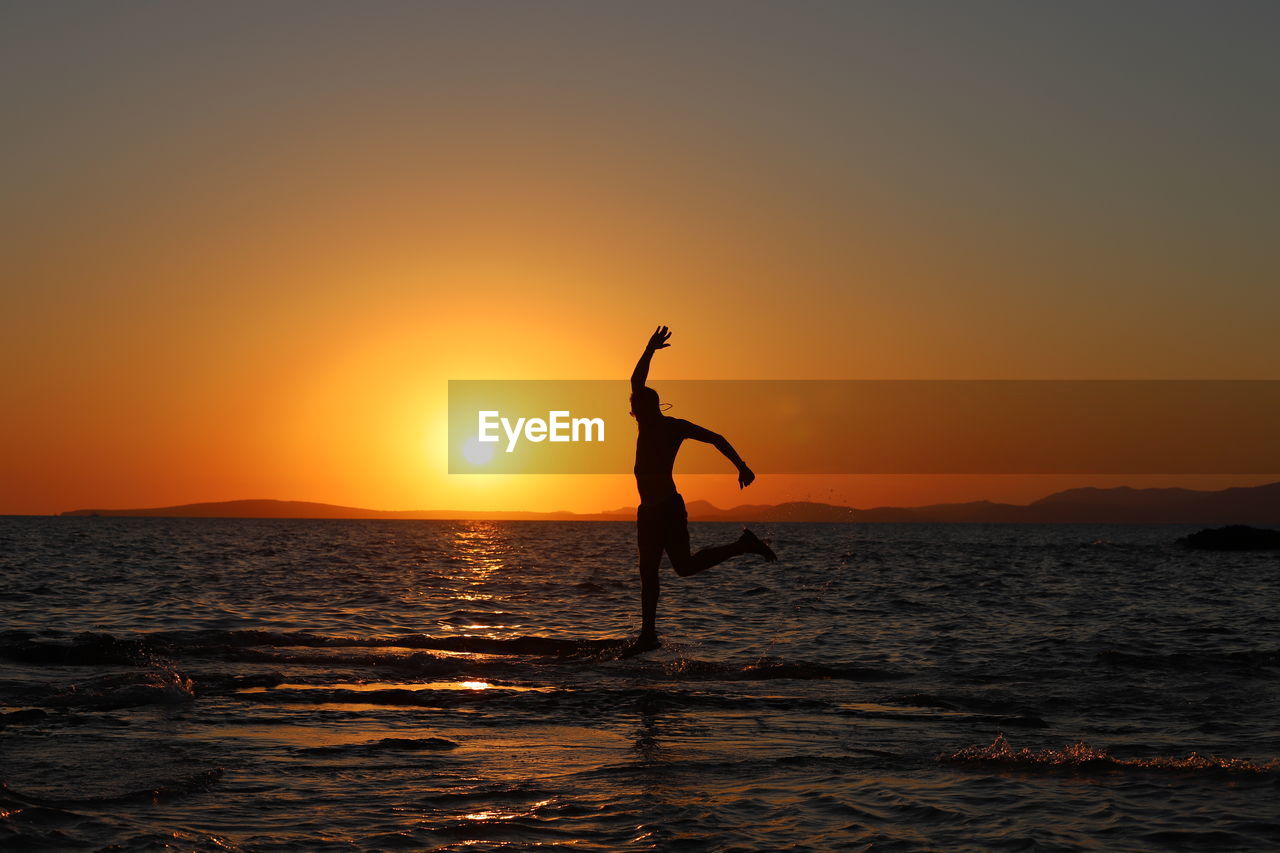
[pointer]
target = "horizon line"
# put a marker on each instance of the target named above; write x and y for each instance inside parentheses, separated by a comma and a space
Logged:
(463, 515)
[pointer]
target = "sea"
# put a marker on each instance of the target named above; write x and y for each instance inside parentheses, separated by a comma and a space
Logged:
(321, 685)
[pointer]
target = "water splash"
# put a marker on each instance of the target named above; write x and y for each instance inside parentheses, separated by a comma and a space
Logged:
(124, 690)
(1080, 755)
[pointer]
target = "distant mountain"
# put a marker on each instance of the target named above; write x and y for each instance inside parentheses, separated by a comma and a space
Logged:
(308, 509)
(1240, 505)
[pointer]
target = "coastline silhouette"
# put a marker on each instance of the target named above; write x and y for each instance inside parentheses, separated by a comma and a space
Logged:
(662, 521)
(1257, 505)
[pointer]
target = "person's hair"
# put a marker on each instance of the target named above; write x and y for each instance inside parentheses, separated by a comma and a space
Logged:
(645, 404)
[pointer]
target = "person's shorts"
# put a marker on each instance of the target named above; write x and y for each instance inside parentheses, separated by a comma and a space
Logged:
(663, 525)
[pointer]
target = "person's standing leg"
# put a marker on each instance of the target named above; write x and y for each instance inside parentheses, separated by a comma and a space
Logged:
(650, 553)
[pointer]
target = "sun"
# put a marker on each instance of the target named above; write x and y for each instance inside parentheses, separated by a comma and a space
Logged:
(478, 452)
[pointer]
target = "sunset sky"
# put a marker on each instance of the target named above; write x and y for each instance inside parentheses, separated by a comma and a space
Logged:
(246, 245)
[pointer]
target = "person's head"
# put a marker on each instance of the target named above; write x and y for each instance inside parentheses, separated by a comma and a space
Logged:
(645, 405)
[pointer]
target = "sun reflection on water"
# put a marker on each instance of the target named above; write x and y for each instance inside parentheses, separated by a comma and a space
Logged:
(375, 686)
(506, 814)
(480, 546)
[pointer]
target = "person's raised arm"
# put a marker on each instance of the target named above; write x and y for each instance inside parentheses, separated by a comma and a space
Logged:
(657, 341)
(719, 442)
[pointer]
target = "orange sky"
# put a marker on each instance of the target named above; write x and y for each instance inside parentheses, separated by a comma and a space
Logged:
(245, 252)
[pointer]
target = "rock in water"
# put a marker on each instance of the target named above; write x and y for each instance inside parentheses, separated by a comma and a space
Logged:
(1236, 537)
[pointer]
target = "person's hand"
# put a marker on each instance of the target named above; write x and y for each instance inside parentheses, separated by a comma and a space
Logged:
(658, 340)
(745, 477)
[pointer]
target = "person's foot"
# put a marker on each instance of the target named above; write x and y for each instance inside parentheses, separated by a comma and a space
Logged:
(643, 643)
(755, 545)
(648, 640)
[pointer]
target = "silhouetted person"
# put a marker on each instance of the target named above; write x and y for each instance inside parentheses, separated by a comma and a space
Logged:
(662, 523)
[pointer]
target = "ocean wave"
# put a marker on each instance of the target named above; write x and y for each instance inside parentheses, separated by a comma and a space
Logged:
(768, 669)
(21, 716)
(961, 702)
(123, 690)
(801, 670)
(420, 663)
(681, 668)
(87, 649)
(627, 700)
(395, 744)
(905, 715)
(100, 648)
(197, 782)
(1081, 756)
(410, 654)
(1248, 662)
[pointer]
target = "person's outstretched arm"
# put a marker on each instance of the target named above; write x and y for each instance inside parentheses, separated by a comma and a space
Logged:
(719, 442)
(657, 341)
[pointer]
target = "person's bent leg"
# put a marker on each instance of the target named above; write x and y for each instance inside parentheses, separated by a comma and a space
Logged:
(688, 564)
(685, 564)
(675, 540)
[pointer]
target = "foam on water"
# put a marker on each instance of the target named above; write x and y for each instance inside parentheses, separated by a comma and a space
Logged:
(1081, 756)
